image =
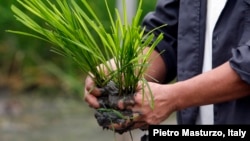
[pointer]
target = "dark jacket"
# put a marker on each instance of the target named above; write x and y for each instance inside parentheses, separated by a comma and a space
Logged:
(184, 48)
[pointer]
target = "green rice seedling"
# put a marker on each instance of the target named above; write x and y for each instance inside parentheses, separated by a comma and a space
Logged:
(76, 31)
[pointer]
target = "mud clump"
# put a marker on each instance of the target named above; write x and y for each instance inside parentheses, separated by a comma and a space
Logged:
(109, 113)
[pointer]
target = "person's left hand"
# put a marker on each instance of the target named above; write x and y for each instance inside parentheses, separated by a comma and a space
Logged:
(164, 104)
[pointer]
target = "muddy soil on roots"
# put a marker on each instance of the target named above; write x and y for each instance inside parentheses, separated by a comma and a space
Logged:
(109, 113)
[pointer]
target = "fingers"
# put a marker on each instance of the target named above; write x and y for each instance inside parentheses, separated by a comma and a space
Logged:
(131, 123)
(92, 101)
(91, 92)
(91, 88)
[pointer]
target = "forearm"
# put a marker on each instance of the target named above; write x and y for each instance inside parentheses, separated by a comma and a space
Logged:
(156, 71)
(218, 85)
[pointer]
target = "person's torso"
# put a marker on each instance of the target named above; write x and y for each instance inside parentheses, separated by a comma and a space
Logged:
(231, 30)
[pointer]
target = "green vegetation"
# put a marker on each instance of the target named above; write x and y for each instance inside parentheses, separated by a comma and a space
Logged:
(30, 61)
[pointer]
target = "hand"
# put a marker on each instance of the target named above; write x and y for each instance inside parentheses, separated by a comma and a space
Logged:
(164, 104)
(144, 114)
(91, 93)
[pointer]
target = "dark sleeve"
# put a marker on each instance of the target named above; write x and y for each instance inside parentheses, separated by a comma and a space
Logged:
(240, 61)
(166, 12)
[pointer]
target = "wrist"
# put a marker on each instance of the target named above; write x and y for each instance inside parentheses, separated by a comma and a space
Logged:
(169, 97)
(179, 93)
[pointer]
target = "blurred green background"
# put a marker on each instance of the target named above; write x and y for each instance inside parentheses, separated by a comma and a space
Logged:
(40, 91)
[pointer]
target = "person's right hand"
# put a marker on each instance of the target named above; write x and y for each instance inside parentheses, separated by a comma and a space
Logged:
(91, 92)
